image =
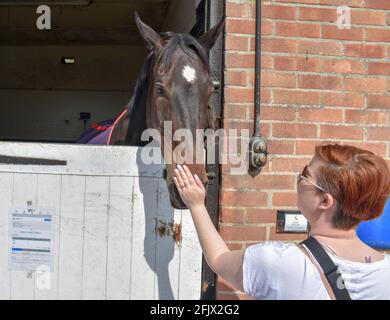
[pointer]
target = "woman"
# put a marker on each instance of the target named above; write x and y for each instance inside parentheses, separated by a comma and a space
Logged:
(339, 188)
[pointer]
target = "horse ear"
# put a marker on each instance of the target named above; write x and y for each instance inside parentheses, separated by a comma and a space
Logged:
(152, 39)
(208, 39)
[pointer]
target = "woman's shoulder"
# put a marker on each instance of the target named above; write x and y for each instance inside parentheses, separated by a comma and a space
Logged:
(274, 245)
(273, 250)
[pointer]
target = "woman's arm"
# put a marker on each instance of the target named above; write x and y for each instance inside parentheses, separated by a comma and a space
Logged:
(223, 261)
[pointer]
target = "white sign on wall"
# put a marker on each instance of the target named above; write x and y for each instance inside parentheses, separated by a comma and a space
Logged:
(295, 223)
(31, 238)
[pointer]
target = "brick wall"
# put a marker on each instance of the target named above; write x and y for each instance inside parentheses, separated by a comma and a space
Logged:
(319, 83)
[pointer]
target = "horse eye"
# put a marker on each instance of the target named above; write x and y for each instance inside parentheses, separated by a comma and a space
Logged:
(160, 91)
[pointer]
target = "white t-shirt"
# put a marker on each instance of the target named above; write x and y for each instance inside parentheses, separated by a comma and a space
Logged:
(280, 270)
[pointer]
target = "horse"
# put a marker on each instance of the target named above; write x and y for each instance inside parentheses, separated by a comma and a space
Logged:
(175, 84)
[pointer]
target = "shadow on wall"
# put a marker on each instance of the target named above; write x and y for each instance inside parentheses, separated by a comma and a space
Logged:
(158, 241)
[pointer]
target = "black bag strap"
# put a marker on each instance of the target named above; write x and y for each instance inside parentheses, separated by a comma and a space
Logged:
(330, 270)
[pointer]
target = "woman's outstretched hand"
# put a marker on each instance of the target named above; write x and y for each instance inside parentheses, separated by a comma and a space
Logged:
(190, 187)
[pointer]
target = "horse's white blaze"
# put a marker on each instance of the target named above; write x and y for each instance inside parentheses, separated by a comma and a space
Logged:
(189, 73)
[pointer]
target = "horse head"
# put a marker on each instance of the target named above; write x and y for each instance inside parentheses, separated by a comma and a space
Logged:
(179, 90)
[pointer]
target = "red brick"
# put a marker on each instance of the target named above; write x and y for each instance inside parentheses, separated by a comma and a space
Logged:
(236, 43)
(278, 12)
(231, 215)
(266, 62)
(266, 28)
(234, 181)
(317, 14)
(235, 111)
(242, 233)
(300, 1)
(380, 68)
(333, 32)
(281, 80)
(276, 45)
(367, 117)
(274, 182)
(293, 29)
(277, 113)
(326, 48)
(341, 132)
(240, 26)
(377, 4)
(286, 236)
(235, 78)
(364, 50)
(228, 169)
(336, 99)
(244, 198)
(242, 60)
(377, 148)
(243, 95)
(260, 216)
(349, 3)
(239, 10)
(319, 82)
(364, 84)
(239, 126)
(284, 199)
(265, 95)
(297, 64)
(381, 134)
(378, 102)
(320, 115)
(293, 165)
(377, 35)
(342, 66)
(306, 147)
(290, 130)
(280, 147)
(296, 97)
(368, 17)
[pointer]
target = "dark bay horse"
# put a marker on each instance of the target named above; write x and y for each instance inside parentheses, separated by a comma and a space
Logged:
(175, 85)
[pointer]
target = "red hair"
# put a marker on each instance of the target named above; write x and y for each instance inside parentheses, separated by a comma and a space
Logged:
(358, 179)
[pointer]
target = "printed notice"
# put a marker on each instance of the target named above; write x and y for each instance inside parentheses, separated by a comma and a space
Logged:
(31, 238)
(295, 223)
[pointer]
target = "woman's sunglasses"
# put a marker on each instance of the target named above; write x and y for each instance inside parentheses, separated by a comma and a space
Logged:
(302, 176)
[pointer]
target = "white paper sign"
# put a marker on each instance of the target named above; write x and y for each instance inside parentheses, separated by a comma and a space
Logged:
(295, 223)
(31, 238)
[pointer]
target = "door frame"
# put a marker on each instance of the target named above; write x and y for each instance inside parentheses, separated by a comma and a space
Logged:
(208, 14)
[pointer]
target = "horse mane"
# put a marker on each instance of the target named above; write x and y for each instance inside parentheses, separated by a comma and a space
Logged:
(140, 84)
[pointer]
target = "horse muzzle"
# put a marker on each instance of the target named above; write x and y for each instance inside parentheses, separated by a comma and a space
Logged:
(175, 198)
